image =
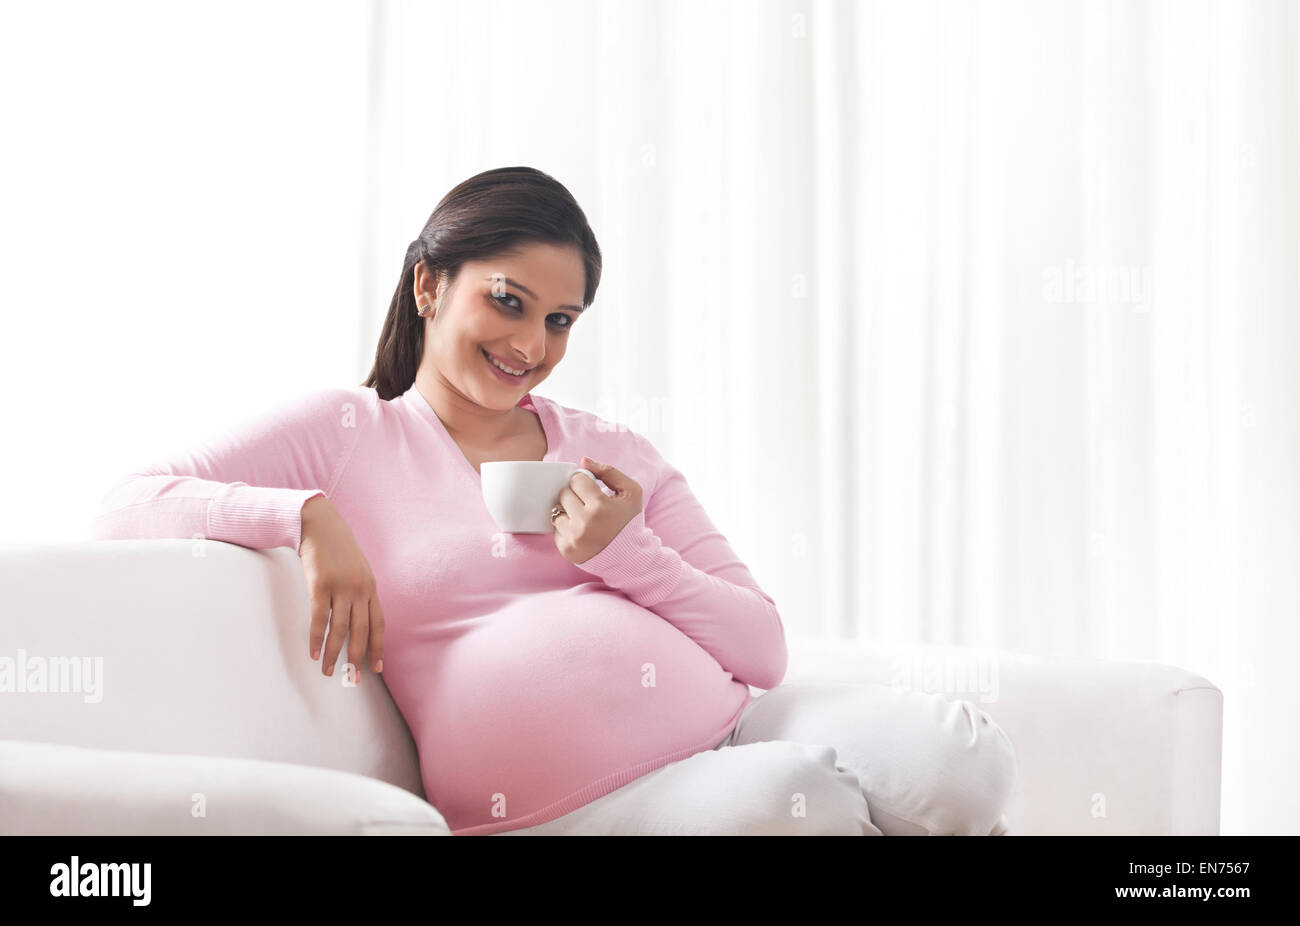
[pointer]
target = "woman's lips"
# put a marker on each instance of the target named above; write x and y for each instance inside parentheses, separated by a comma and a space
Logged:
(500, 373)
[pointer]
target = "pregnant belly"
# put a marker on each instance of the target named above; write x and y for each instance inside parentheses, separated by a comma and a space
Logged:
(554, 691)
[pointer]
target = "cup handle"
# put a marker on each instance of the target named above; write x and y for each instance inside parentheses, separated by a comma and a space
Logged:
(587, 471)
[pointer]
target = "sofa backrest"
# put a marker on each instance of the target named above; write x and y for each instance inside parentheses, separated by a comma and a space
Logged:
(184, 646)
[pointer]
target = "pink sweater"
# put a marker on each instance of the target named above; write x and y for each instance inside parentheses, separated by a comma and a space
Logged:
(531, 686)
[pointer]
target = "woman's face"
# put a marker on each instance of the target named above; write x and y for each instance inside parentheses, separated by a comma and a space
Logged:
(517, 309)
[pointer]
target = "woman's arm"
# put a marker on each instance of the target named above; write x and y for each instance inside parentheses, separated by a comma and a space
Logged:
(671, 559)
(247, 487)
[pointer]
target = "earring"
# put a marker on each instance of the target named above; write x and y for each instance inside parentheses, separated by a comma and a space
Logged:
(419, 310)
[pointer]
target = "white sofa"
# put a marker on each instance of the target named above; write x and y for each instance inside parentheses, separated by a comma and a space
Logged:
(210, 719)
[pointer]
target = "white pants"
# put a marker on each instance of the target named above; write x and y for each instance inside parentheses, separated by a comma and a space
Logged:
(818, 759)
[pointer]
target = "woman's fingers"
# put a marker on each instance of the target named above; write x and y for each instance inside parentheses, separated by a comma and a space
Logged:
(585, 488)
(320, 616)
(376, 635)
(358, 636)
(339, 614)
(570, 501)
(360, 623)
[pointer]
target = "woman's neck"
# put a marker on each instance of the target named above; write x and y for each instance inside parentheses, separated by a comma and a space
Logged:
(465, 420)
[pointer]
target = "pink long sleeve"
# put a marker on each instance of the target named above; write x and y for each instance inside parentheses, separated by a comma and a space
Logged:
(245, 487)
(673, 560)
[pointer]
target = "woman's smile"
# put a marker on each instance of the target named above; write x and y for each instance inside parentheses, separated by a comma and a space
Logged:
(495, 364)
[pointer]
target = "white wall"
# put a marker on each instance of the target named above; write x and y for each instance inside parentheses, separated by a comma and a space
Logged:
(180, 231)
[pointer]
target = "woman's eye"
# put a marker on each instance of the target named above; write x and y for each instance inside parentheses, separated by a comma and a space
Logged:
(565, 321)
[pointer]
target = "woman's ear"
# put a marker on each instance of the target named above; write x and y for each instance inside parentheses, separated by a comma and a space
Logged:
(421, 288)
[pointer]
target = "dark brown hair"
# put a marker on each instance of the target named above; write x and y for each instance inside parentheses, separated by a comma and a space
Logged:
(491, 214)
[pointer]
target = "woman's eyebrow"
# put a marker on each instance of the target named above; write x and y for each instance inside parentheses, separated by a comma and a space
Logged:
(517, 285)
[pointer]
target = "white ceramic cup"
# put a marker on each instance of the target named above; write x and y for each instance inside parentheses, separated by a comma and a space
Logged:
(519, 494)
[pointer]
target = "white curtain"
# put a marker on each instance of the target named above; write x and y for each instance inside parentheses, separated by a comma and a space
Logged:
(969, 322)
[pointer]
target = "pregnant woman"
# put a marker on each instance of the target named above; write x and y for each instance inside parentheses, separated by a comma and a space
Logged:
(590, 681)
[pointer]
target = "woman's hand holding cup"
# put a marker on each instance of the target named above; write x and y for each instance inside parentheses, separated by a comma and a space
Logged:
(591, 519)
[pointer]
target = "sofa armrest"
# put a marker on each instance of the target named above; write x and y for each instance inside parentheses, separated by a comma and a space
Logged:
(1104, 747)
(194, 647)
(53, 789)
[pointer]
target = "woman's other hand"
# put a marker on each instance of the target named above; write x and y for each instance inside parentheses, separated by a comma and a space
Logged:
(341, 583)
